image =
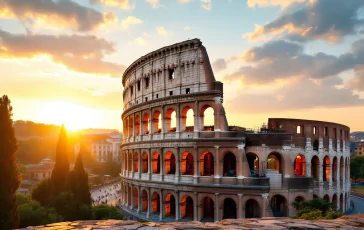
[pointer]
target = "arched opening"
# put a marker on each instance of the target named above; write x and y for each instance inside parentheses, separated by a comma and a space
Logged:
(187, 119)
(334, 169)
(327, 198)
(156, 165)
(346, 204)
(136, 198)
(315, 145)
(170, 206)
(171, 120)
(347, 171)
(187, 163)
(279, 206)
(170, 163)
(229, 211)
(144, 163)
(334, 202)
(253, 161)
(157, 124)
(130, 162)
(207, 119)
(136, 162)
(144, 201)
(274, 163)
(315, 164)
(156, 203)
(299, 199)
(229, 165)
(341, 168)
(187, 208)
(300, 165)
(341, 202)
(315, 196)
(207, 164)
(326, 169)
(137, 125)
(131, 126)
(146, 123)
(252, 209)
(208, 209)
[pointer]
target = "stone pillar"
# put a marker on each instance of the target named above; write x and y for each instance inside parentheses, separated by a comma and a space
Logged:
(132, 164)
(217, 173)
(161, 200)
(197, 119)
(132, 197)
(265, 205)
(151, 128)
(139, 200)
(178, 206)
(308, 168)
(178, 120)
(162, 165)
(217, 207)
(163, 120)
(196, 166)
(178, 165)
(149, 164)
(240, 206)
(196, 205)
(149, 198)
(140, 160)
(330, 173)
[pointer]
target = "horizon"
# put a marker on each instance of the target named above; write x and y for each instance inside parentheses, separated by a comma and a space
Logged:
(62, 64)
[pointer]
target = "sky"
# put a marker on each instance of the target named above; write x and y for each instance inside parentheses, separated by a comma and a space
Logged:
(61, 61)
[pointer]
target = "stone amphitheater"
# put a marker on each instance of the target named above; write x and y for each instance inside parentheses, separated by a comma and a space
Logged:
(177, 167)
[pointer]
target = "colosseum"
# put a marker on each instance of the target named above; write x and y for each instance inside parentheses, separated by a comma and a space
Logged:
(177, 167)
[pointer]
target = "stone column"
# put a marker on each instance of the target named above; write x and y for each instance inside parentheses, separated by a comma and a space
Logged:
(217, 173)
(265, 205)
(178, 206)
(162, 165)
(330, 173)
(240, 205)
(308, 168)
(217, 207)
(178, 165)
(149, 198)
(196, 166)
(163, 120)
(161, 200)
(150, 154)
(140, 166)
(196, 205)
(197, 119)
(178, 120)
(139, 200)
(132, 164)
(131, 197)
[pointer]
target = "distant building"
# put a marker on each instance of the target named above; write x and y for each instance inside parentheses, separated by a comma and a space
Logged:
(41, 171)
(359, 148)
(101, 145)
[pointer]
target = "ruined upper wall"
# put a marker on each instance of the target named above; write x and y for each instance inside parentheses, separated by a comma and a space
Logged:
(182, 68)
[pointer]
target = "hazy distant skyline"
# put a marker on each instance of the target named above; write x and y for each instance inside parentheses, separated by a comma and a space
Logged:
(62, 61)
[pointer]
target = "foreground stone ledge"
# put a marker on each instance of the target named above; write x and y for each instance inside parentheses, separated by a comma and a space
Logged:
(345, 222)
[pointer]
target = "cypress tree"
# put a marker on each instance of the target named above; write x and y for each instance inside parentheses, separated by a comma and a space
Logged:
(79, 181)
(60, 171)
(9, 173)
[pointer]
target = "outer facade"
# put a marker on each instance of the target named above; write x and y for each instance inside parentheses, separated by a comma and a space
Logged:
(175, 171)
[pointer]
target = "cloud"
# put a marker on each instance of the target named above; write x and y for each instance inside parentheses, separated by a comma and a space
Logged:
(221, 64)
(184, 1)
(82, 54)
(138, 41)
(122, 4)
(186, 28)
(130, 20)
(283, 3)
(281, 60)
(328, 20)
(301, 94)
(60, 13)
(154, 3)
(161, 30)
(206, 4)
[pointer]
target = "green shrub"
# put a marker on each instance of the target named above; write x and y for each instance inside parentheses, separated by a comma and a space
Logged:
(315, 209)
(104, 212)
(333, 215)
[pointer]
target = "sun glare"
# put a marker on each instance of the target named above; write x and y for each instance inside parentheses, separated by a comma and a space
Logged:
(73, 116)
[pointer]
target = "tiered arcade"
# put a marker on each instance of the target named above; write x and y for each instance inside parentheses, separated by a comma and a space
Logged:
(174, 170)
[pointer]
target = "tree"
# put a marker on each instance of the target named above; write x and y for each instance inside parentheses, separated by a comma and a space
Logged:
(79, 182)
(41, 193)
(61, 168)
(315, 209)
(111, 167)
(357, 167)
(9, 173)
(104, 212)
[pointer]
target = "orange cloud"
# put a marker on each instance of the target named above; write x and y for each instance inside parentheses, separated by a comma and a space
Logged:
(82, 54)
(283, 3)
(122, 4)
(59, 13)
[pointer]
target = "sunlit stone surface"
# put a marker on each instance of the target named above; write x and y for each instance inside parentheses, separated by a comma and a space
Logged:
(346, 222)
